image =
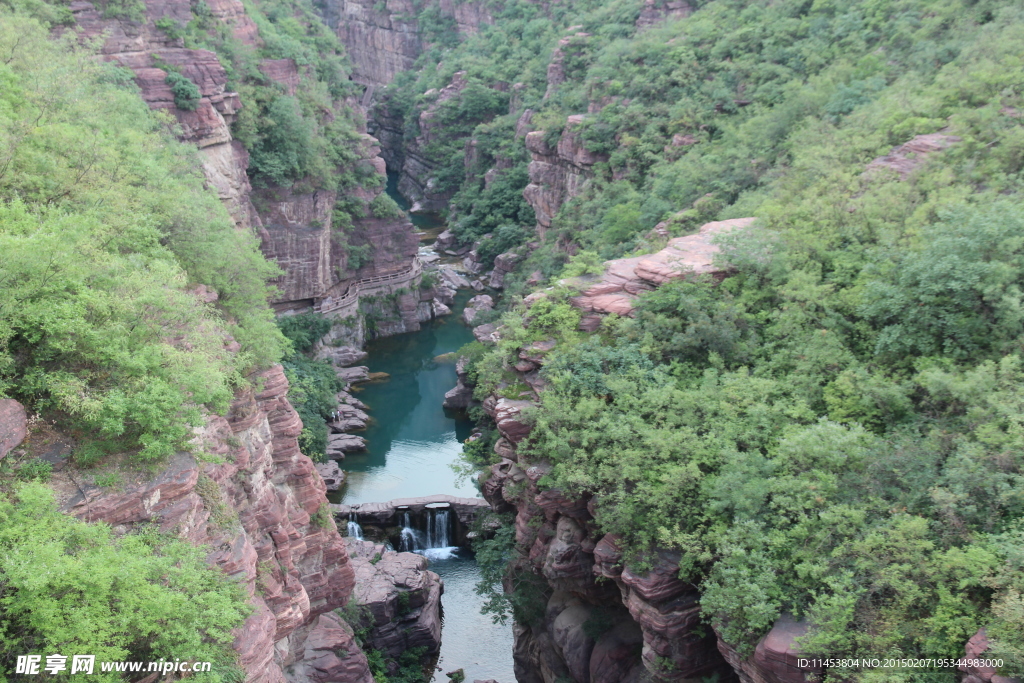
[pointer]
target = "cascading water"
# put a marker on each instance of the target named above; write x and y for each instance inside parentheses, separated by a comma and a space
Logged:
(409, 448)
(354, 530)
(434, 540)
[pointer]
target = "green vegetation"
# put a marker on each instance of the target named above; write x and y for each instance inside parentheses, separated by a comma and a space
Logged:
(359, 255)
(222, 515)
(105, 228)
(314, 383)
(186, 94)
(130, 10)
(502, 562)
(144, 596)
(832, 430)
(322, 516)
(301, 140)
(383, 206)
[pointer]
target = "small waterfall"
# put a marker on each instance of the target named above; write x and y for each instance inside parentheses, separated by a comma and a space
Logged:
(438, 524)
(354, 530)
(434, 540)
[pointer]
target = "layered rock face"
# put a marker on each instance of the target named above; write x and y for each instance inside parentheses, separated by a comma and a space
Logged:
(656, 617)
(557, 174)
(263, 510)
(384, 39)
(296, 230)
(295, 227)
(417, 182)
(399, 598)
(141, 46)
(381, 41)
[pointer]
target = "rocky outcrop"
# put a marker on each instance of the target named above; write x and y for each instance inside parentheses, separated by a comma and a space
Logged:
(503, 265)
(486, 334)
(557, 174)
(384, 39)
(616, 289)
(567, 46)
(13, 425)
(332, 474)
(656, 12)
(776, 658)
(331, 654)
(975, 651)
(340, 444)
(348, 418)
(263, 511)
(400, 598)
(448, 244)
(417, 182)
(461, 396)
(478, 304)
(508, 416)
(909, 156)
(342, 356)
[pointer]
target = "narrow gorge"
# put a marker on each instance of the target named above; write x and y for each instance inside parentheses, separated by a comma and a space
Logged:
(481, 341)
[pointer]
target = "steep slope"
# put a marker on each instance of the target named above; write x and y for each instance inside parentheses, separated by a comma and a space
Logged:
(785, 455)
(263, 512)
(296, 223)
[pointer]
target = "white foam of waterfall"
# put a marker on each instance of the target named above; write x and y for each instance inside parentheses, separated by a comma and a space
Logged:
(354, 530)
(433, 542)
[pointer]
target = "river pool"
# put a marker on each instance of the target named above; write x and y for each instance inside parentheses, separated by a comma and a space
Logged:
(411, 445)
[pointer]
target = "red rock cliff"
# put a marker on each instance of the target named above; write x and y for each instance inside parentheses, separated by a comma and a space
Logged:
(261, 509)
(295, 227)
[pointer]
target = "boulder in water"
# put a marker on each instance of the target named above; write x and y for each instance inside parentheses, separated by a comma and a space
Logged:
(342, 356)
(452, 278)
(340, 444)
(333, 475)
(439, 308)
(359, 373)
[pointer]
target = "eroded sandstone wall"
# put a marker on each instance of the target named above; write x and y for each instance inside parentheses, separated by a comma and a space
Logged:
(384, 38)
(295, 227)
(260, 505)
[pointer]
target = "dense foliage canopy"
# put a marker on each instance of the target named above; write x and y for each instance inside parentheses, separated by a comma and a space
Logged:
(105, 229)
(833, 430)
(73, 588)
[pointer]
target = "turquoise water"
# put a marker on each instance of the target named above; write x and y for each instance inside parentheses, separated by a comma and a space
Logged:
(412, 440)
(470, 640)
(430, 224)
(411, 445)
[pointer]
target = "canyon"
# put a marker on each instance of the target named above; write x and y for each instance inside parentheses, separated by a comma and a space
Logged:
(262, 506)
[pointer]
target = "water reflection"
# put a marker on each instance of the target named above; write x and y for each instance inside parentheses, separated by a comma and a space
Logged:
(412, 440)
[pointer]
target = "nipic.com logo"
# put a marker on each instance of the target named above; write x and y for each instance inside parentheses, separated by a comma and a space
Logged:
(36, 665)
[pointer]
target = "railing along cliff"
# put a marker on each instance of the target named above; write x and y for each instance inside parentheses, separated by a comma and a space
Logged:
(367, 286)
